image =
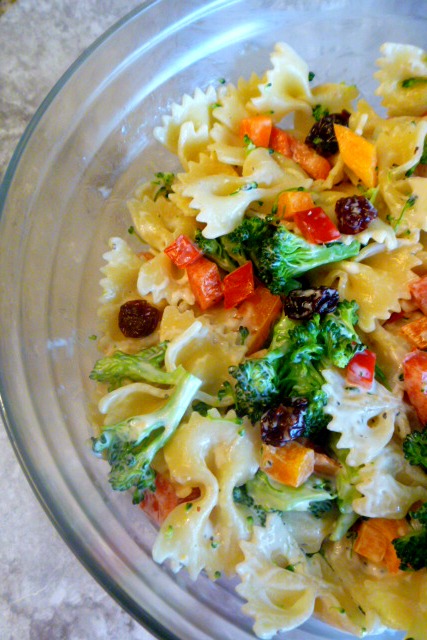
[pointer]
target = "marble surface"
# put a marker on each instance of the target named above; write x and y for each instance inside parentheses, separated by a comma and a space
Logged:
(45, 594)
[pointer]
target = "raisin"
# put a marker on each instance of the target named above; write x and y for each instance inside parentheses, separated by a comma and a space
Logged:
(321, 136)
(302, 304)
(354, 214)
(284, 423)
(138, 318)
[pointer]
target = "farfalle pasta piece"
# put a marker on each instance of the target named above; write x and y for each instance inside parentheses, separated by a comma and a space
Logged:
(214, 454)
(186, 131)
(160, 280)
(158, 222)
(399, 145)
(119, 284)
(329, 98)
(403, 79)
(275, 580)
(338, 604)
(364, 420)
(222, 199)
(286, 87)
(205, 352)
(228, 114)
(378, 284)
(131, 400)
(389, 485)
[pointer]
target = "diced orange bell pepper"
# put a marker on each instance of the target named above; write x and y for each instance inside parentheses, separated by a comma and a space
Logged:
(258, 313)
(314, 164)
(416, 332)
(418, 289)
(281, 141)
(370, 543)
(289, 202)
(158, 504)
(257, 129)
(205, 282)
(375, 541)
(358, 154)
(291, 464)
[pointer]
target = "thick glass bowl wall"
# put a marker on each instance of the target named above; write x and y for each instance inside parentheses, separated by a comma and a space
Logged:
(64, 195)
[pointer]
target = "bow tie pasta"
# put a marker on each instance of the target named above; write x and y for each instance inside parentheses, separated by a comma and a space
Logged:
(262, 389)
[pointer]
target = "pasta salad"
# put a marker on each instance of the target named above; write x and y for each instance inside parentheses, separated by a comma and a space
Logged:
(264, 336)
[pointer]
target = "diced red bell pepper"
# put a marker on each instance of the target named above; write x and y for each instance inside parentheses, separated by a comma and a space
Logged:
(158, 505)
(418, 290)
(415, 381)
(205, 282)
(360, 370)
(316, 226)
(238, 285)
(183, 252)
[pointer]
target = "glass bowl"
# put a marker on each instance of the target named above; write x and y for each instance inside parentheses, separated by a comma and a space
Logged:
(64, 195)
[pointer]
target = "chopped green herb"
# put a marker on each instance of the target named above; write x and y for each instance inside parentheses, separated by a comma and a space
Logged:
(93, 337)
(250, 146)
(408, 83)
(311, 76)
(408, 205)
(290, 567)
(131, 230)
(245, 187)
(244, 332)
(221, 80)
(319, 112)
(169, 532)
(201, 407)
(188, 506)
(164, 181)
(217, 575)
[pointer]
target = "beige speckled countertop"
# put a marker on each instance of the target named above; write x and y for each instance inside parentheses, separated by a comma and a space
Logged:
(45, 594)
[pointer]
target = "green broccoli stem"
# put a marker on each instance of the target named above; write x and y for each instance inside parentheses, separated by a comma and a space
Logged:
(120, 367)
(130, 445)
(273, 496)
(342, 525)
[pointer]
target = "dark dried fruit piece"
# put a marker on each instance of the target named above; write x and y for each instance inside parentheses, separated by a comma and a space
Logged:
(138, 318)
(302, 304)
(284, 423)
(354, 214)
(321, 136)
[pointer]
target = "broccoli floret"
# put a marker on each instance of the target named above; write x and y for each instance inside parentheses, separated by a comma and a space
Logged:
(415, 448)
(258, 384)
(130, 445)
(222, 250)
(286, 256)
(145, 365)
(340, 339)
(273, 496)
(279, 256)
(241, 496)
(412, 548)
(320, 507)
(293, 365)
